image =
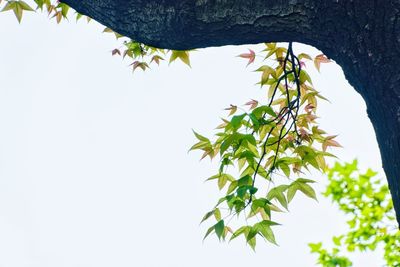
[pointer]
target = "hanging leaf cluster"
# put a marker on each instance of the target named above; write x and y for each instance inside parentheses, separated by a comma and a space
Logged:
(143, 56)
(267, 149)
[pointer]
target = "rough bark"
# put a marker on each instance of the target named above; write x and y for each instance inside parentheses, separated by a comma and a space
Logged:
(362, 36)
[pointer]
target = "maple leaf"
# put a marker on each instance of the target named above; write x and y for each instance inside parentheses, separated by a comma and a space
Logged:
(116, 51)
(156, 59)
(320, 59)
(253, 104)
(223, 125)
(330, 142)
(309, 108)
(267, 71)
(232, 109)
(182, 55)
(208, 152)
(310, 118)
(251, 56)
(138, 64)
(304, 134)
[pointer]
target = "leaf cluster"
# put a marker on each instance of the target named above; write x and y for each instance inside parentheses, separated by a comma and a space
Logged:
(54, 9)
(366, 201)
(266, 148)
(142, 55)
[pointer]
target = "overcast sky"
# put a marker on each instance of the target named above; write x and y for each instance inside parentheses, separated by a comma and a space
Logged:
(94, 169)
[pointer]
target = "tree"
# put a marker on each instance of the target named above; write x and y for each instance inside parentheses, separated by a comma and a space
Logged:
(288, 71)
(371, 219)
(362, 36)
(341, 197)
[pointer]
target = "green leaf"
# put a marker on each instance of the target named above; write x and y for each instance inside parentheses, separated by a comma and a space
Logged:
(217, 214)
(219, 228)
(245, 180)
(252, 233)
(232, 187)
(307, 190)
(226, 144)
(304, 77)
(337, 240)
(9, 6)
(285, 168)
(240, 231)
(253, 190)
(18, 8)
(222, 180)
(277, 193)
(301, 185)
(250, 138)
(25, 6)
(64, 9)
(207, 215)
(255, 121)
(315, 247)
(260, 111)
(18, 11)
(209, 231)
(200, 137)
(252, 243)
(182, 55)
(264, 227)
(236, 121)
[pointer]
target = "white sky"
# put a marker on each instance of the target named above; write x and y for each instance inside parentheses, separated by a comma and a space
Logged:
(94, 169)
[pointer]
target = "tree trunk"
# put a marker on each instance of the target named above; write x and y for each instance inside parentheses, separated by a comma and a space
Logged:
(362, 36)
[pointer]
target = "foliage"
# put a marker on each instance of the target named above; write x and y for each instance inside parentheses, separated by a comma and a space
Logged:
(366, 200)
(142, 55)
(264, 150)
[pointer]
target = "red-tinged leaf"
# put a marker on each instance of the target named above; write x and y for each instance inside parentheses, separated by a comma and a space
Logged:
(303, 134)
(250, 56)
(156, 59)
(320, 59)
(50, 9)
(309, 108)
(330, 142)
(138, 64)
(115, 52)
(334, 143)
(331, 137)
(128, 52)
(232, 109)
(223, 125)
(310, 117)
(58, 16)
(207, 153)
(253, 104)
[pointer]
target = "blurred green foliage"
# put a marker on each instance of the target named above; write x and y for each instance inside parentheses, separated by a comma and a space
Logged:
(365, 199)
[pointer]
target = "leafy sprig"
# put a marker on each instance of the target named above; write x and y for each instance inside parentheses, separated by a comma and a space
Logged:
(258, 147)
